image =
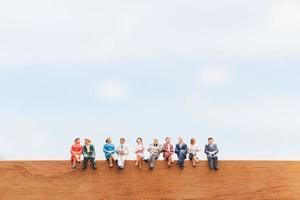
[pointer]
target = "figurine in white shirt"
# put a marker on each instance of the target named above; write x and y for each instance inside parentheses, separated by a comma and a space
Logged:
(192, 151)
(122, 152)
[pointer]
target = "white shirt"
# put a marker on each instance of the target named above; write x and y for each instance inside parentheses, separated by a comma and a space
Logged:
(193, 148)
(124, 148)
(88, 148)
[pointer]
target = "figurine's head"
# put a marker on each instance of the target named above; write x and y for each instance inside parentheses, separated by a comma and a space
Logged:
(122, 140)
(77, 141)
(180, 140)
(139, 140)
(87, 141)
(108, 140)
(168, 140)
(210, 140)
(193, 141)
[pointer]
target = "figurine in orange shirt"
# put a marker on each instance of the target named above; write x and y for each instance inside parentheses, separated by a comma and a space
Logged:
(76, 151)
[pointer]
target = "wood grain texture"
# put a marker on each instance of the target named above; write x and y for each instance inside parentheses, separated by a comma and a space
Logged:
(38, 180)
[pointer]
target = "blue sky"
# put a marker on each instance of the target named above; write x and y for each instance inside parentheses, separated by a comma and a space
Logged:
(151, 69)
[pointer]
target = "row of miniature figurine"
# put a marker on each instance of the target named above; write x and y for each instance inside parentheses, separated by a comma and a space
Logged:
(119, 154)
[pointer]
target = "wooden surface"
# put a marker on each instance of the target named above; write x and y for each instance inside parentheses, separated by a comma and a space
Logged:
(38, 180)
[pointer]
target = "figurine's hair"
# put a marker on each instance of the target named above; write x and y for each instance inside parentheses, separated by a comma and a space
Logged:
(107, 139)
(139, 139)
(193, 141)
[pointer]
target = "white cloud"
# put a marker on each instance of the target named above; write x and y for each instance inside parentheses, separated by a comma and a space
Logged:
(266, 114)
(214, 76)
(72, 32)
(284, 16)
(111, 91)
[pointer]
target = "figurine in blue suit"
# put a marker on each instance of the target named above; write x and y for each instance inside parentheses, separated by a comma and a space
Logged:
(181, 151)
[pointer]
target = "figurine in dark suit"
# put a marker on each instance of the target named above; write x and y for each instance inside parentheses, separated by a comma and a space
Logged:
(181, 151)
(211, 151)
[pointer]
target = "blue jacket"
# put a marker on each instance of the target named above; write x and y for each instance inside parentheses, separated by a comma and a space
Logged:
(109, 150)
(183, 150)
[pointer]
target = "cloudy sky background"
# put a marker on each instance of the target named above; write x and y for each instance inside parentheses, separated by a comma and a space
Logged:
(152, 69)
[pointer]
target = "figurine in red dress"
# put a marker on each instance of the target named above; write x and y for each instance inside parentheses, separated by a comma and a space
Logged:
(76, 151)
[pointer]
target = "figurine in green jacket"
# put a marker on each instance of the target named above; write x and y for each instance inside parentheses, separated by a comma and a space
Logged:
(89, 153)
